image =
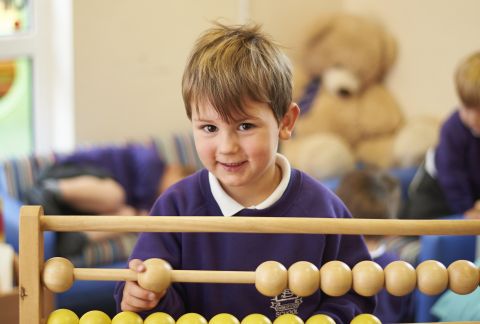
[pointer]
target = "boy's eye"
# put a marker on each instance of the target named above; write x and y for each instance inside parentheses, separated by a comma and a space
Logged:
(245, 126)
(209, 128)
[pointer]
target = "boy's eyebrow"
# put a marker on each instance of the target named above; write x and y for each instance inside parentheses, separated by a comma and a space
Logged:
(202, 120)
(235, 120)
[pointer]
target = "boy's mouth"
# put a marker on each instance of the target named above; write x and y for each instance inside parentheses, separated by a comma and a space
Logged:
(232, 166)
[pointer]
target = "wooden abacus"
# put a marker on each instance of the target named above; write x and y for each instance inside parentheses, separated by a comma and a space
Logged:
(366, 278)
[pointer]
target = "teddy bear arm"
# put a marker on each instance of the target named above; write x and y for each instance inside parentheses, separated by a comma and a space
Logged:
(379, 112)
(377, 152)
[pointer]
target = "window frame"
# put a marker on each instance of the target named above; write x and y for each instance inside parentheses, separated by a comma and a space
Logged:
(49, 46)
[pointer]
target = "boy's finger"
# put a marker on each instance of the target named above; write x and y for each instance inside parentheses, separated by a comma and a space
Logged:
(141, 293)
(130, 303)
(477, 205)
(136, 302)
(136, 265)
(125, 307)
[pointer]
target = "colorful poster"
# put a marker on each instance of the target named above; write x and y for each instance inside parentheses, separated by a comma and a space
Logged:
(16, 125)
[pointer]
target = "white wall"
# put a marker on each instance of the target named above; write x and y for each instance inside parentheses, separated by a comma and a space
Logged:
(433, 36)
(129, 58)
(288, 21)
(129, 55)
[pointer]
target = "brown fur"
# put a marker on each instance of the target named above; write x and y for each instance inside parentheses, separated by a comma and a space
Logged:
(369, 119)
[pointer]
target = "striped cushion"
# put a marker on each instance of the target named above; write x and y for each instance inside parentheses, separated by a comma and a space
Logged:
(19, 174)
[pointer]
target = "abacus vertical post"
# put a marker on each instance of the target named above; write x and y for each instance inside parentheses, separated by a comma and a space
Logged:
(31, 261)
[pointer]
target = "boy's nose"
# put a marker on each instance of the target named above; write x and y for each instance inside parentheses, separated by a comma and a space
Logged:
(228, 144)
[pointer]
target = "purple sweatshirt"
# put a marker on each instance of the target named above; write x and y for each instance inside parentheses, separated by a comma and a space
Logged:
(304, 197)
(137, 167)
(457, 160)
(390, 308)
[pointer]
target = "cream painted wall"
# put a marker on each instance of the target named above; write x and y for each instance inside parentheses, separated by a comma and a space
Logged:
(129, 58)
(289, 20)
(433, 36)
(129, 55)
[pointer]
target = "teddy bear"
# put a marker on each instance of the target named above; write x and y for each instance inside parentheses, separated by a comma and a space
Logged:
(348, 116)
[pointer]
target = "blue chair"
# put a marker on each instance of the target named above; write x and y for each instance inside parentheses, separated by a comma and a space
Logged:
(11, 212)
(445, 249)
(404, 176)
(83, 296)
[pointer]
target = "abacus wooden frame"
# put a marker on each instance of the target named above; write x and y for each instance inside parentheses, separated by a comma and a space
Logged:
(33, 223)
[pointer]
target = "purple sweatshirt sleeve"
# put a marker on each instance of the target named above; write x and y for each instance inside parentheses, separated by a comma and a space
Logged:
(450, 161)
(164, 246)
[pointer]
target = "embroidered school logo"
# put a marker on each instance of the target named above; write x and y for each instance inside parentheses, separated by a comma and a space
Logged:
(286, 303)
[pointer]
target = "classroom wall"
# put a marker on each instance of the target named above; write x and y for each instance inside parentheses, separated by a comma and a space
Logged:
(129, 55)
(433, 36)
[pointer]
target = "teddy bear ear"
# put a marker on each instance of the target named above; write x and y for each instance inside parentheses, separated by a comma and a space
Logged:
(389, 50)
(318, 30)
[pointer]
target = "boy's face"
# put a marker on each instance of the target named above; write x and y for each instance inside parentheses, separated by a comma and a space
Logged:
(241, 154)
(470, 117)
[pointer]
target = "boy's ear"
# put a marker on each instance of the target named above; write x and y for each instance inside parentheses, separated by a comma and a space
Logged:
(288, 121)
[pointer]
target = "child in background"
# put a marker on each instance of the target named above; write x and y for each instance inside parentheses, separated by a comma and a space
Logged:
(449, 180)
(117, 180)
(237, 91)
(374, 194)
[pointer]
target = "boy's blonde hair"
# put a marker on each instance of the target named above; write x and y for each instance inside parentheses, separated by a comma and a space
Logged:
(370, 193)
(231, 64)
(467, 79)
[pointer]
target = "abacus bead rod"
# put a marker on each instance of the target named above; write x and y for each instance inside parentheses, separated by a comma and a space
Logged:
(259, 225)
(104, 274)
(241, 277)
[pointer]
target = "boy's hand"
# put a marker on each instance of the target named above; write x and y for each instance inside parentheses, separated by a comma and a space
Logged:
(136, 298)
(473, 213)
(477, 205)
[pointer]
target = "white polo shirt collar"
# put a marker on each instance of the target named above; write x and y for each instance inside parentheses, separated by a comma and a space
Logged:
(230, 206)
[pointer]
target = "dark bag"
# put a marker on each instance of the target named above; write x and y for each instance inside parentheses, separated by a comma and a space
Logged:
(45, 192)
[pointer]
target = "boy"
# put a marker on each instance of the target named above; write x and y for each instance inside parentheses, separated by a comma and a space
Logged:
(237, 92)
(449, 181)
(376, 195)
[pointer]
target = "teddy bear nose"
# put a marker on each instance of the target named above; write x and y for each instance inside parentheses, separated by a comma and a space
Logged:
(344, 93)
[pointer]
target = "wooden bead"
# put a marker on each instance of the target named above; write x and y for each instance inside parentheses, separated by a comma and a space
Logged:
(256, 318)
(432, 277)
(58, 274)
(368, 278)
(95, 317)
(335, 278)
(62, 315)
(400, 278)
(303, 278)
(462, 277)
(191, 318)
(288, 319)
(365, 319)
(159, 318)
(271, 278)
(157, 277)
(224, 318)
(126, 317)
(320, 319)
